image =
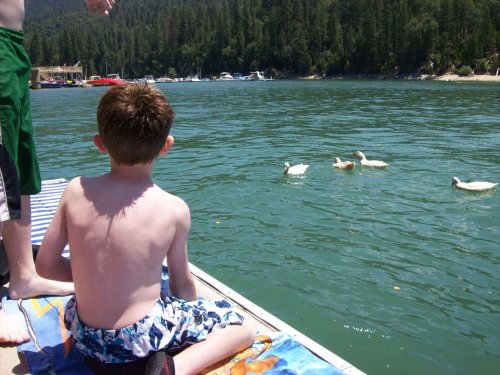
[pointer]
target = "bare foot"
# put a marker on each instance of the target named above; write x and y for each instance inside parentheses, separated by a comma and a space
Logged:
(38, 286)
(10, 333)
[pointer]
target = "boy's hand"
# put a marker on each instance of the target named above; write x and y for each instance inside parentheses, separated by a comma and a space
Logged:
(100, 7)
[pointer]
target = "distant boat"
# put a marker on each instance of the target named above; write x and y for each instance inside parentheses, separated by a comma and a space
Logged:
(192, 78)
(239, 77)
(51, 84)
(58, 83)
(165, 80)
(225, 76)
(148, 79)
(110, 80)
(258, 76)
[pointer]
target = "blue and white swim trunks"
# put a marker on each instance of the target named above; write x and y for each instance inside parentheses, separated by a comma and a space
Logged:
(171, 325)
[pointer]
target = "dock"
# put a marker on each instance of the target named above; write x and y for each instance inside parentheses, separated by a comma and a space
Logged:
(63, 73)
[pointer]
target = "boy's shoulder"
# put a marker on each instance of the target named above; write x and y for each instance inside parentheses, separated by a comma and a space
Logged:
(77, 183)
(84, 182)
(171, 198)
(73, 187)
(79, 186)
(73, 184)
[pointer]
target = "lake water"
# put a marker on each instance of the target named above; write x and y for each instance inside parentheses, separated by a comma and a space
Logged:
(394, 270)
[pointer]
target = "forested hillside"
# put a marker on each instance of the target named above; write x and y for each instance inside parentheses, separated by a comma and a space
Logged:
(291, 37)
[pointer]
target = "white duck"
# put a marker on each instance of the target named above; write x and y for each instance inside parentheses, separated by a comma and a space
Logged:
(473, 186)
(296, 169)
(369, 163)
(344, 164)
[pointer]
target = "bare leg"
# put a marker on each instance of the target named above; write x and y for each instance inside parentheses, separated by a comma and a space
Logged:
(10, 333)
(218, 345)
(24, 281)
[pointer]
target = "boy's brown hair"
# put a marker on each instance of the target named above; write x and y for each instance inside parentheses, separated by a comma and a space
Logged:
(134, 121)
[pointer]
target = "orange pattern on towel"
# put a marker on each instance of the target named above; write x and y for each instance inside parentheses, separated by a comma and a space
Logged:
(245, 361)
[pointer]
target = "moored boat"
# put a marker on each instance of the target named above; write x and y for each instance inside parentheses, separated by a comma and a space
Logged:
(258, 76)
(149, 79)
(165, 80)
(226, 76)
(109, 80)
(192, 78)
(239, 77)
(51, 84)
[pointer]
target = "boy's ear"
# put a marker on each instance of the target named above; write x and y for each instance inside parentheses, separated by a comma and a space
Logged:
(99, 144)
(166, 147)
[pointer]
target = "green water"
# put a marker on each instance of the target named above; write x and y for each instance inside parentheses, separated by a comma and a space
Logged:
(325, 251)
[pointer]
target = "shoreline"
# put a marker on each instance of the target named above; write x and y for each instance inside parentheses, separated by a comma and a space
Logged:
(448, 77)
(473, 78)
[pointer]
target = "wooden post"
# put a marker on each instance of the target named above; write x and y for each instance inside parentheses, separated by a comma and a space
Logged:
(35, 78)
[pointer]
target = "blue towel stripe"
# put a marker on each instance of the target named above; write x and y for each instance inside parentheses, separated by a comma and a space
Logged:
(43, 207)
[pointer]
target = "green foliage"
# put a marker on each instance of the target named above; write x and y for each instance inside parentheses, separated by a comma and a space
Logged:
(293, 37)
(482, 66)
(493, 64)
(465, 71)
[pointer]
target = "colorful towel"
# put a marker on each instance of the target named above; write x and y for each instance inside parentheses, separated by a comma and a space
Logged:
(51, 351)
(274, 353)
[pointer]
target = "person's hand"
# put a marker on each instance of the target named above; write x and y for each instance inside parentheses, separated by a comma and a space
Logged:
(100, 7)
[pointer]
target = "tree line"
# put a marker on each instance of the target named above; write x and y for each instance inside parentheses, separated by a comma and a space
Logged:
(287, 37)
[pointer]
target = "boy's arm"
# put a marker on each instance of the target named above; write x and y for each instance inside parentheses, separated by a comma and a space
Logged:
(180, 278)
(49, 261)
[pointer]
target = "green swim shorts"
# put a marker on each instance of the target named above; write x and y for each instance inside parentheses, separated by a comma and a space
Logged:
(16, 134)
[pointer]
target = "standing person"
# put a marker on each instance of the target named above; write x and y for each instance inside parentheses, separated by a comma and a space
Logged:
(120, 227)
(19, 171)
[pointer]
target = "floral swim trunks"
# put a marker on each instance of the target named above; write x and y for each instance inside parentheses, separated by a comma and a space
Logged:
(172, 324)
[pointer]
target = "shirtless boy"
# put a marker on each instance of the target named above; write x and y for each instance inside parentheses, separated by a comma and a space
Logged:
(120, 227)
(19, 171)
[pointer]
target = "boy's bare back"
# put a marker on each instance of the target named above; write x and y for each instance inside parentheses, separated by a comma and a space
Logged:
(119, 232)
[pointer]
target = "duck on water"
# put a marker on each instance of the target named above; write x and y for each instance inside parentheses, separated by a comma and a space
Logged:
(369, 163)
(344, 164)
(473, 186)
(296, 169)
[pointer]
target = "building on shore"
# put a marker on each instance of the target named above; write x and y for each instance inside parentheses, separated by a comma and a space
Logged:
(40, 74)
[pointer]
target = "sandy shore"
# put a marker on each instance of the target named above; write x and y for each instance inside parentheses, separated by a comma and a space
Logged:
(473, 78)
(424, 77)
